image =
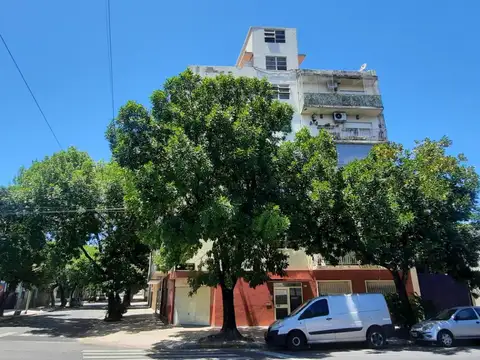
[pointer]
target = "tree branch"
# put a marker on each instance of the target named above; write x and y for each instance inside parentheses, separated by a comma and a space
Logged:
(85, 252)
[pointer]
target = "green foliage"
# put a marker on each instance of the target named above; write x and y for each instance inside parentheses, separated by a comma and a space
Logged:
(413, 208)
(399, 313)
(311, 187)
(81, 203)
(205, 168)
(21, 240)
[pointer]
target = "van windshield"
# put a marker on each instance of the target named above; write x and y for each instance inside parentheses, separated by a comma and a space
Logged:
(300, 308)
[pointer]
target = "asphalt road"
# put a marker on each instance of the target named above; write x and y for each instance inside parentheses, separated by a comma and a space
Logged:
(56, 336)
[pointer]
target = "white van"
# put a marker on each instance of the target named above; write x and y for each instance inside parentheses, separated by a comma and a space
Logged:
(335, 318)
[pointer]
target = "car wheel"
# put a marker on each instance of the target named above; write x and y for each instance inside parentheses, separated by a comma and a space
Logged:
(296, 340)
(376, 338)
(445, 338)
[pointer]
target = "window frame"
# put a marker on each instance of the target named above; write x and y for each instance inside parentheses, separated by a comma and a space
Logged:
(319, 282)
(274, 36)
(390, 282)
(275, 60)
(281, 90)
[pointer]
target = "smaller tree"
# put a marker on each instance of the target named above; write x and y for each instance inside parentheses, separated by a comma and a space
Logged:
(21, 242)
(412, 208)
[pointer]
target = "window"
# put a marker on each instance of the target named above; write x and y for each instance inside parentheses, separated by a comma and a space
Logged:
(477, 309)
(384, 287)
(334, 287)
(274, 36)
(281, 92)
(276, 63)
(466, 314)
(319, 308)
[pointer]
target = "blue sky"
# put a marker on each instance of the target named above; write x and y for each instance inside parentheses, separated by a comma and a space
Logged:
(426, 54)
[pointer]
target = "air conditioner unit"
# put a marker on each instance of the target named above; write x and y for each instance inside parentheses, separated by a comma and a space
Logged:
(339, 117)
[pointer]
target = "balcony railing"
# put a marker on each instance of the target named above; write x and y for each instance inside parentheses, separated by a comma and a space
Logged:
(349, 259)
(339, 100)
(356, 134)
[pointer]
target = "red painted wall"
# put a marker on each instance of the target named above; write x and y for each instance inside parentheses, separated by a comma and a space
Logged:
(254, 307)
(171, 299)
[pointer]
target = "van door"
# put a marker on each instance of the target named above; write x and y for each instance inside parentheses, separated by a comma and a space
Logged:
(318, 322)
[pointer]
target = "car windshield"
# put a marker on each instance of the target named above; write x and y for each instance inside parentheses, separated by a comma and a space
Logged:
(300, 308)
(444, 315)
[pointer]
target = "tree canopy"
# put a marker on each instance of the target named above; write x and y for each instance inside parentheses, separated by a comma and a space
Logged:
(206, 167)
(412, 208)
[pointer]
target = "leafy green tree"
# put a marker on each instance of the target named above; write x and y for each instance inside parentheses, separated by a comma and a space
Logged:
(21, 240)
(412, 208)
(206, 168)
(82, 204)
(122, 256)
(311, 188)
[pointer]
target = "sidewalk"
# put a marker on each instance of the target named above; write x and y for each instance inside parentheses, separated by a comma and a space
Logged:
(140, 328)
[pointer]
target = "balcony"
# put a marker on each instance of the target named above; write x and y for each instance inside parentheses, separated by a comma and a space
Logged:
(326, 102)
(355, 134)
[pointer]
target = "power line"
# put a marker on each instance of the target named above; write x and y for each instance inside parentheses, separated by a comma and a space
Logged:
(30, 90)
(109, 54)
(64, 211)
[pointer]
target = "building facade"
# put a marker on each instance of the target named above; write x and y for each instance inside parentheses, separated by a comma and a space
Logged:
(347, 104)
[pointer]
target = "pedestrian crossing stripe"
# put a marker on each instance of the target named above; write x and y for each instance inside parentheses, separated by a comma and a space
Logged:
(130, 354)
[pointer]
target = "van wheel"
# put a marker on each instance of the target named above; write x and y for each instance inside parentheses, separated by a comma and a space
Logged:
(376, 338)
(445, 338)
(296, 340)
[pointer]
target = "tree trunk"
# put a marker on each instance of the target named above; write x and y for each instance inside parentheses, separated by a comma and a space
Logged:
(114, 309)
(127, 297)
(63, 298)
(400, 284)
(52, 297)
(229, 329)
(73, 301)
(3, 300)
(5, 295)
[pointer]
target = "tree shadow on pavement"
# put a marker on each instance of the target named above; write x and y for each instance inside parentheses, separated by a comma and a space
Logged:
(187, 337)
(74, 324)
(324, 350)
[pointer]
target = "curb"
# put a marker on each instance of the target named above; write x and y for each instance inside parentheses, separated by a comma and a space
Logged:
(226, 345)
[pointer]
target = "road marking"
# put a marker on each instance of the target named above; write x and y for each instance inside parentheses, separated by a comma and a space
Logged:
(7, 334)
(273, 354)
(126, 354)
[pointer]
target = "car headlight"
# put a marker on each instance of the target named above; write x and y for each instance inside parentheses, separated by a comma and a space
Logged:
(428, 327)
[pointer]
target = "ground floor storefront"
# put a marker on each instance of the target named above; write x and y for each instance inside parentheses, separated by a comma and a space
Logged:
(268, 302)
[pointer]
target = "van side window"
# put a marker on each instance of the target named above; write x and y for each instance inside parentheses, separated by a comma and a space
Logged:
(319, 308)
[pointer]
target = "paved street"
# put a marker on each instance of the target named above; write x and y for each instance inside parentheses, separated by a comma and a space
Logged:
(81, 334)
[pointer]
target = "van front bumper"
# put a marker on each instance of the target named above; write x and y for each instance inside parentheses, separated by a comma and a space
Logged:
(274, 339)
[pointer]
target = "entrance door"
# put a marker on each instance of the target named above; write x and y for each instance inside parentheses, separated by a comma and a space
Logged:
(281, 303)
(287, 297)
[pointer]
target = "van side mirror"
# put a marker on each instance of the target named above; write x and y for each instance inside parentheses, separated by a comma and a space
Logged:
(307, 314)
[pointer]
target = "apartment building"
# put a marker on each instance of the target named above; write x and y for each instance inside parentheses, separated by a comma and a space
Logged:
(348, 104)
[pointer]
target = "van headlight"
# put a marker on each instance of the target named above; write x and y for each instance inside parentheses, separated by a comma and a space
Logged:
(277, 326)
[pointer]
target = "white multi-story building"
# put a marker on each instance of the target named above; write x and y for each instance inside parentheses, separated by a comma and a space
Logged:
(345, 103)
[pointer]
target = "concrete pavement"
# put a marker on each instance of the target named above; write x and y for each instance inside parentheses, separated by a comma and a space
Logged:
(82, 334)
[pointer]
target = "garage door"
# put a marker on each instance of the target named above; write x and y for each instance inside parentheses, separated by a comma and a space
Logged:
(193, 310)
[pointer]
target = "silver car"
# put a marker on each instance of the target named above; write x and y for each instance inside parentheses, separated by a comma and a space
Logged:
(449, 325)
